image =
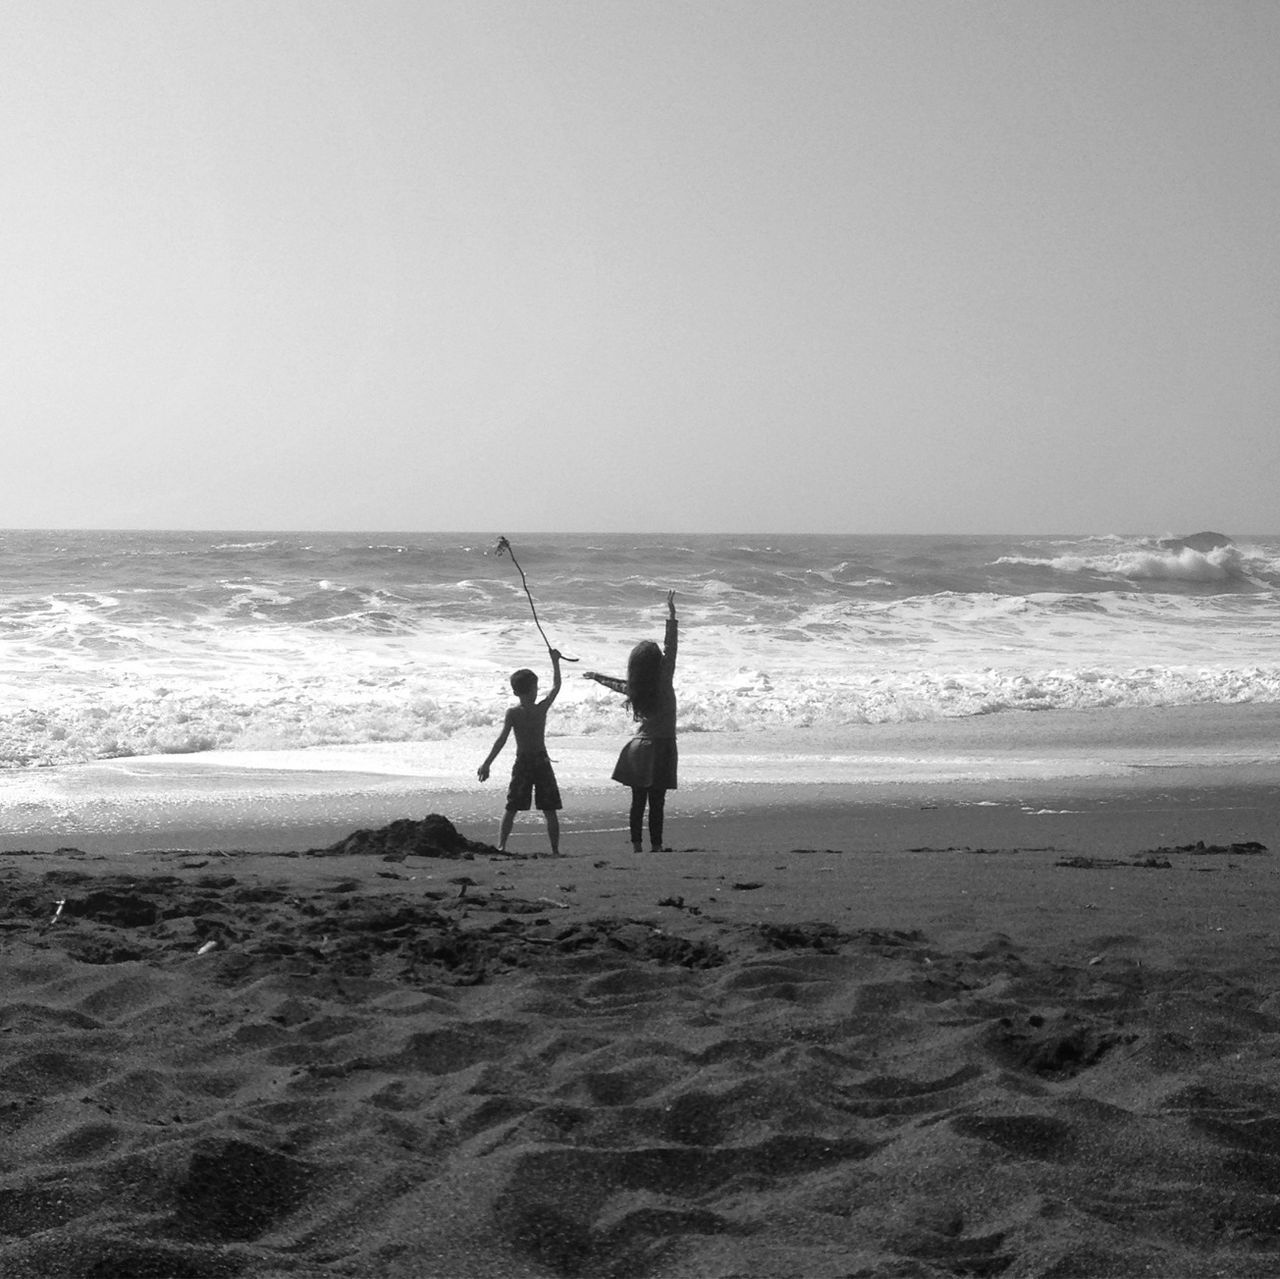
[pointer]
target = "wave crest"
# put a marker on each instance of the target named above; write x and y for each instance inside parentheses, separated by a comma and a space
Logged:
(1169, 564)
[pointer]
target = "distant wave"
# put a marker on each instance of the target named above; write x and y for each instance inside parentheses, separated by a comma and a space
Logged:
(1184, 564)
(1223, 564)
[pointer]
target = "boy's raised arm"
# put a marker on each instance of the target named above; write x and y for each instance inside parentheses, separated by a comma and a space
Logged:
(555, 677)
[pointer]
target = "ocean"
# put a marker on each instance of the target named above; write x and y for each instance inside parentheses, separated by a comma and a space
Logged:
(126, 644)
(186, 689)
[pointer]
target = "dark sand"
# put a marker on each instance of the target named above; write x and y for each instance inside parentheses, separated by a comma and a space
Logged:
(915, 1035)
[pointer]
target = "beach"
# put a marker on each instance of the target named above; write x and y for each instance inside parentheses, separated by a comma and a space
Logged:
(862, 412)
(961, 961)
(955, 1025)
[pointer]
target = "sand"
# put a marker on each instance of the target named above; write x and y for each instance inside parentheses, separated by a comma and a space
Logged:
(931, 1035)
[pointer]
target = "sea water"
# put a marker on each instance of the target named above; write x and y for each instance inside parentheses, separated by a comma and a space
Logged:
(254, 648)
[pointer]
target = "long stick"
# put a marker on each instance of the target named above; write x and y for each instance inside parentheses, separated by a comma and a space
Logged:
(504, 548)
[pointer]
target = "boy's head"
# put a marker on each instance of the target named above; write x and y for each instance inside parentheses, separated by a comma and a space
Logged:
(524, 683)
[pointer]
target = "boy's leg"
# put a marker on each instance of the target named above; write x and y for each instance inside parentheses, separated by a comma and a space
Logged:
(508, 821)
(638, 796)
(553, 830)
(657, 811)
(547, 797)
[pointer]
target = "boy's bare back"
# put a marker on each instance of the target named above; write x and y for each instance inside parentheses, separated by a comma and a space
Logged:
(529, 724)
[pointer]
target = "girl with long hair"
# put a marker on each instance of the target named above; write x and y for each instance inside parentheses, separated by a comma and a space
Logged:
(648, 761)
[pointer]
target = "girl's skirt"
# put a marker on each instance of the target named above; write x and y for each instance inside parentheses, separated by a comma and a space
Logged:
(647, 763)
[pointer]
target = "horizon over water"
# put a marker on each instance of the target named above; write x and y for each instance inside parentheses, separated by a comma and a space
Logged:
(148, 667)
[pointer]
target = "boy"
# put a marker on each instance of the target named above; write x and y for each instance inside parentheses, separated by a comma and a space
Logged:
(532, 769)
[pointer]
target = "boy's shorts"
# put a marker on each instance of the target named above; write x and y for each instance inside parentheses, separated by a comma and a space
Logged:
(532, 775)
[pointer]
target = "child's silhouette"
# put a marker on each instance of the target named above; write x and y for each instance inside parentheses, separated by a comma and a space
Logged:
(532, 772)
(649, 761)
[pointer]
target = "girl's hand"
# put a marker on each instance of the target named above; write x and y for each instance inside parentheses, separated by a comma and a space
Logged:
(588, 674)
(671, 603)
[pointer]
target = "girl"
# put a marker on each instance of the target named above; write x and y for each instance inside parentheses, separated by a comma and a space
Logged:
(648, 761)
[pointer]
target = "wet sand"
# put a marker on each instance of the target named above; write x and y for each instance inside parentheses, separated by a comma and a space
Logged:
(1143, 773)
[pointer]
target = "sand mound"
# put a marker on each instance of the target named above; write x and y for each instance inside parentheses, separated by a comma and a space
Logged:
(471, 1083)
(433, 836)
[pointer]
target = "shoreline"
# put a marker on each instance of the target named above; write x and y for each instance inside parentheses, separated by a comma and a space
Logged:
(1016, 778)
(1107, 820)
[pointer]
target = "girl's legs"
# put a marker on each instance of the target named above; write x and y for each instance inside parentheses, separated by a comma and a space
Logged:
(657, 811)
(638, 797)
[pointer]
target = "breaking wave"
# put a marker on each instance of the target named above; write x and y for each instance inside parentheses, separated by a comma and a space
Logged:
(131, 644)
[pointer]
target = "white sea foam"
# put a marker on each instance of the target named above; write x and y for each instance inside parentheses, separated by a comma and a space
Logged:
(177, 645)
(1182, 564)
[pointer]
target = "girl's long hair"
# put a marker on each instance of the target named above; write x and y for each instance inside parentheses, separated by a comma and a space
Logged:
(644, 673)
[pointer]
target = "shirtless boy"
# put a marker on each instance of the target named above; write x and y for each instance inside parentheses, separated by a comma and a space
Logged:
(531, 774)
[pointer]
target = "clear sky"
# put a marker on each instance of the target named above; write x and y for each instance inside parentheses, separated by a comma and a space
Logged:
(769, 265)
